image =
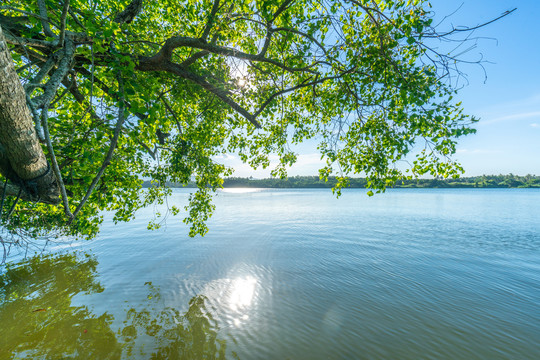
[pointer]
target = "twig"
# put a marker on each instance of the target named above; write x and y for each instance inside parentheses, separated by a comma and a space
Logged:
(14, 204)
(3, 197)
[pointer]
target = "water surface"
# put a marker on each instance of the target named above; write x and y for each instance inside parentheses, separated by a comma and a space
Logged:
(294, 274)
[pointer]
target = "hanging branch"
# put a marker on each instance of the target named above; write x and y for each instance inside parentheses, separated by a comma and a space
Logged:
(56, 169)
(112, 147)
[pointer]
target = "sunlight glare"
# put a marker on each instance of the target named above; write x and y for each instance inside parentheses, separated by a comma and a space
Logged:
(240, 190)
(242, 293)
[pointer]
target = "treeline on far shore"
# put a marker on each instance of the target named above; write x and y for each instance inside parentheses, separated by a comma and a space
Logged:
(484, 181)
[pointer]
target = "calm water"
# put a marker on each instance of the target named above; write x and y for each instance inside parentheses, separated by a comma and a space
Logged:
(293, 274)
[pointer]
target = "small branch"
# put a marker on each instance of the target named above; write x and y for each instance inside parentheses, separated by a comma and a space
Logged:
(15, 40)
(311, 38)
(56, 169)
(148, 150)
(172, 113)
(282, 8)
(45, 19)
(37, 120)
(63, 68)
(14, 204)
(28, 13)
(63, 23)
(467, 29)
(44, 71)
(74, 17)
(88, 75)
(300, 86)
(26, 66)
(3, 197)
(59, 97)
(210, 22)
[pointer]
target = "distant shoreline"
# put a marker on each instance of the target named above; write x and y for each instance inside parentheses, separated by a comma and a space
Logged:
(313, 182)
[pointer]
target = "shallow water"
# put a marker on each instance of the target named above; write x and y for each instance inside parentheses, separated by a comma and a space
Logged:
(293, 274)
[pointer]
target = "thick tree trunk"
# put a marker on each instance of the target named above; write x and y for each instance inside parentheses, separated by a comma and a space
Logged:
(21, 157)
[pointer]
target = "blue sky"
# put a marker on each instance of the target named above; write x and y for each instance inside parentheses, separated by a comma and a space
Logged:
(507, 101)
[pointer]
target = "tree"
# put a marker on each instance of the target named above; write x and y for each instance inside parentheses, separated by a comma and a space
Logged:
(114, 91)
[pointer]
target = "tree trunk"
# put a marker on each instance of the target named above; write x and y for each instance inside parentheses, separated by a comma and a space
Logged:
(21, 157)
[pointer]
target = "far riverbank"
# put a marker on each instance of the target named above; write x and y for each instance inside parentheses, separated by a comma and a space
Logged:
(313, 182)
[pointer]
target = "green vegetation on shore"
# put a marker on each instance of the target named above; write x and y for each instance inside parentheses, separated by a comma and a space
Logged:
(484, 181)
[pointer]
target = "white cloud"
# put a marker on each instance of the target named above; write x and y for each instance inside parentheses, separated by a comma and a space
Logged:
(535, 125)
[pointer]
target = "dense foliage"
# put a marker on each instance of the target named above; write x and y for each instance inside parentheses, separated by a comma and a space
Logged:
(159, 92)
(313, 182)
(484, 181)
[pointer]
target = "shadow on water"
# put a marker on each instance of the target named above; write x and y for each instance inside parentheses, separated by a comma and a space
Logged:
(38, 320)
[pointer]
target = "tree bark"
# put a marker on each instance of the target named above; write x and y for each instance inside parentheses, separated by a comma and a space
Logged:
(21, 157)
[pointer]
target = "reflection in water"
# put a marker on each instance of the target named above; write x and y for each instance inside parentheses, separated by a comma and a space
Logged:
(242, 292)
(38, 320)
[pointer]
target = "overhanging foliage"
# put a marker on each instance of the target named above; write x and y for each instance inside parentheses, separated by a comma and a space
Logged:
(121, 91)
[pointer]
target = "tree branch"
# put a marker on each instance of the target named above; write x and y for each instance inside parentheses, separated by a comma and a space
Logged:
(129, 12)
(282, 8)
(190, 60)
(44, 71)
(45, 19)
(201, 81)
(64, 67)
(181, 41)
(294, 31)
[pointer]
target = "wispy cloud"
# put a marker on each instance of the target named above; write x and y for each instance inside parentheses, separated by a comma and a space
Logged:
(535, 125)
(520, 116)
(310, 159)
(225, 157)
(478, 151)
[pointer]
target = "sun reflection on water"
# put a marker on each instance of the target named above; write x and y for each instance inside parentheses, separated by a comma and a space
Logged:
(240, 190)
(242, 291)
(234, 297)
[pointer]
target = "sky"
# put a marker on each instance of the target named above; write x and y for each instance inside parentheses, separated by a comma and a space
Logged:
(507, 101)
